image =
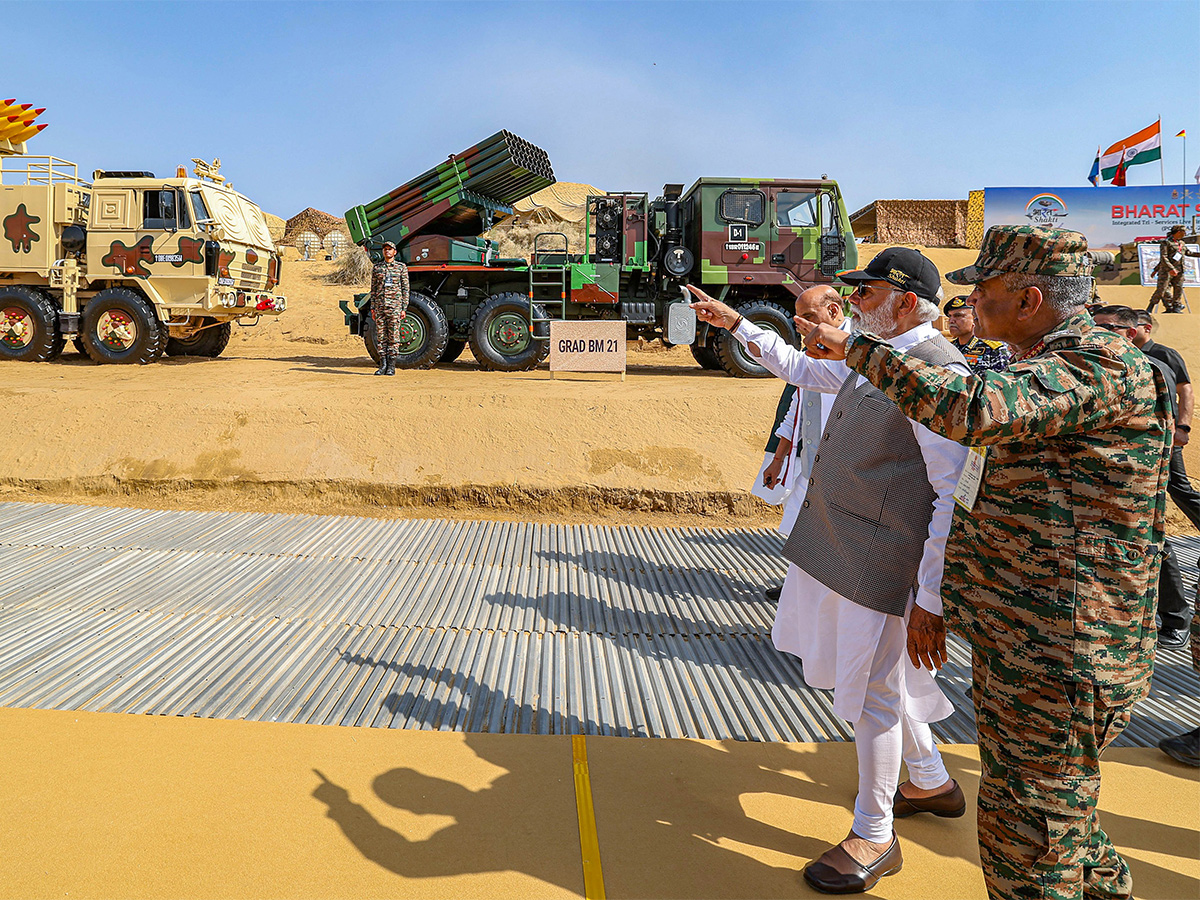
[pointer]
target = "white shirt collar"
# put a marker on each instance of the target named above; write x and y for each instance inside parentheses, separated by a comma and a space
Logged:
(913, 336)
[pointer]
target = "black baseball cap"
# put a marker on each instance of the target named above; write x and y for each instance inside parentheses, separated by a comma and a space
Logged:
(903, 267)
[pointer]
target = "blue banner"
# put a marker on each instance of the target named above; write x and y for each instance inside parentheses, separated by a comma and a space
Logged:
(1107, 216)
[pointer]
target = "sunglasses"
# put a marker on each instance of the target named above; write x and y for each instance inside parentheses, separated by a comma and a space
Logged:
(865, 290)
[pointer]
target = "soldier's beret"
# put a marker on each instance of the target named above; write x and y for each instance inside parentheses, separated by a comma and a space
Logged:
(959, 302)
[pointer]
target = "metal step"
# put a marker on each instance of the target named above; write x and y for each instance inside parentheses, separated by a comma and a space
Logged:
(467, 626)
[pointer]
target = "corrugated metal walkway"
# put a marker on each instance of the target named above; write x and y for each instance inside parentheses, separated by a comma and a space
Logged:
(469, 626)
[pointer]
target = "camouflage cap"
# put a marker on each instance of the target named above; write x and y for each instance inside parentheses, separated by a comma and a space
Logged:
(388, 244)
(1028, 250)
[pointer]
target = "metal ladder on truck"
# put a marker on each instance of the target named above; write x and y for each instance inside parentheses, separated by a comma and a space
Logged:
(548, 281)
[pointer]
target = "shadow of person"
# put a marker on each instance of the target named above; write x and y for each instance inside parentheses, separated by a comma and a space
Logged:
(1152, 880)
(524, 820)
(674, 818)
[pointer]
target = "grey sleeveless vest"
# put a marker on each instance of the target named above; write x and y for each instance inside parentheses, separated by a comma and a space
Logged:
(865, 517)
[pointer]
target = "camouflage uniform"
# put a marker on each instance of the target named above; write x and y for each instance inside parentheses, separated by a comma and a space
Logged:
(1052, 575)
(389, 298)
(1170, 275)
(981, 355)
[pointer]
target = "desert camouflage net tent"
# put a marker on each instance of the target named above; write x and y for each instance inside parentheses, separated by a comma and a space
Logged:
(930, 223)
(315, 226)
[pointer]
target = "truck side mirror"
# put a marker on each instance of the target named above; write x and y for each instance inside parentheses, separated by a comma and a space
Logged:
(681, 322)
(833, 254)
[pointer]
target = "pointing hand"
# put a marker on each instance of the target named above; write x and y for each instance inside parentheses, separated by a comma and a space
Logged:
(822, 341)
(714, 312)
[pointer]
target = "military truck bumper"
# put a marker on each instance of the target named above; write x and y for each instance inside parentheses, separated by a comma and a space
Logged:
(258, 301)
(351, 311)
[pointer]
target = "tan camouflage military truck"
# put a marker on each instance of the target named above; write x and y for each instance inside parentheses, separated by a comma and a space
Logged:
(129, 265)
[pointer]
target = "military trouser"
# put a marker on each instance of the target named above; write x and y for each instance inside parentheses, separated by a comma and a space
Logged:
(1173, 281)
(1039, 748)
(386, 314)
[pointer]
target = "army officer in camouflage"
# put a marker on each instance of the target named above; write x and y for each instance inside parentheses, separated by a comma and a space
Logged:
(979, 354)
(389, 304)
(1053, 556)
(1171, 253)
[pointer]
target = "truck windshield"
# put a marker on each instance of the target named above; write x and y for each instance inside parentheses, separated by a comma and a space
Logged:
(200, 209)
(796, 210)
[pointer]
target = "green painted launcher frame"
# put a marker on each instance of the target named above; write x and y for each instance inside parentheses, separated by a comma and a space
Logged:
(458, 198)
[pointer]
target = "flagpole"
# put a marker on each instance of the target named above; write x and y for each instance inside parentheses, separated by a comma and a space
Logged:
(1162, 176)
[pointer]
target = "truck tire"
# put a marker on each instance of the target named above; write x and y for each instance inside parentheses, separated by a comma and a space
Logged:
(28, 325)
(209, 342)
(705, 355)
(454, 349)
(119, 327)
(733, 356)
(78, 342)
(500, 337)
(424, 333)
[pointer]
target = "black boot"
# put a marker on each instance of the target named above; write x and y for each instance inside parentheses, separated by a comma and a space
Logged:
(391, 365)
(1183, 747)
(384, 361)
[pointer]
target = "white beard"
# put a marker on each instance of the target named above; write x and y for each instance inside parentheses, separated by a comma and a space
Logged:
(881, 321)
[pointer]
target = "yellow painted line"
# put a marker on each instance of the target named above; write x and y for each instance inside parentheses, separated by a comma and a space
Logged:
(589, 843)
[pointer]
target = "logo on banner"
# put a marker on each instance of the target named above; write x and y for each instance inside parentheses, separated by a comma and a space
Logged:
(1046, 210)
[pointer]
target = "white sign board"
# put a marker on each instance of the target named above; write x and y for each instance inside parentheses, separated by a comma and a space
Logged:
(587, 346)
(1148, 253)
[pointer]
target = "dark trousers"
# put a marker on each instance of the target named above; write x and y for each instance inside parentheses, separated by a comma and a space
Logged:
(1174, 611)
(1181, 490)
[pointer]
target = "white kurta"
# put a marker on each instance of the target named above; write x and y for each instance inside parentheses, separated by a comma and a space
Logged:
(836, 638)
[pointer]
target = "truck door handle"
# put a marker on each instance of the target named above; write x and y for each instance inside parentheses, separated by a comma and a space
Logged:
(777, 259)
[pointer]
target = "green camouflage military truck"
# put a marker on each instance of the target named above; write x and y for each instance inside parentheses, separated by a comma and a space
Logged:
(755, 243)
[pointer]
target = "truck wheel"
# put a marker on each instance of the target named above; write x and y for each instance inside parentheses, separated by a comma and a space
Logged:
(119, 327)
(500, 336)
(28, 325)
(424, 332)
(208, 342)
(705, 355)
(454, 349)
(733, 356)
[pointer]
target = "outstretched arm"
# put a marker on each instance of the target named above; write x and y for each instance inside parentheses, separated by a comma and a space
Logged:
(776, 354)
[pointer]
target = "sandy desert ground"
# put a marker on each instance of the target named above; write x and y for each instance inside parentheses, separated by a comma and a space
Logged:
(291, 419)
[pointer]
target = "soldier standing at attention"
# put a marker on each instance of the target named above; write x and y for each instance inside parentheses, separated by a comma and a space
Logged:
(389, 304)
(1053, 554)
(979, 354)
(1171, 252)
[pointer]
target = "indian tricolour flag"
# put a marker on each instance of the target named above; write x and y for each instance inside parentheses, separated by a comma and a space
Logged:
(1143, 147)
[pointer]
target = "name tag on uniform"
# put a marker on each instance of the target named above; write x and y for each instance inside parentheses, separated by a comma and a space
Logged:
(971, 478)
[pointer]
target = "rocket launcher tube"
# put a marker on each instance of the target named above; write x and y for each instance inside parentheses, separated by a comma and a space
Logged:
(11, 107)
(457, 194)
(13, 124)
(26, 133)
(431, 188)
(409, 203)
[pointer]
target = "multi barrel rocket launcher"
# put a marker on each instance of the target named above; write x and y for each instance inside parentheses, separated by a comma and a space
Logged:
(452, 198)
(17, 125)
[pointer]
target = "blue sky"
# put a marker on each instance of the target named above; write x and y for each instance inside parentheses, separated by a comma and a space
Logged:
(332, 104)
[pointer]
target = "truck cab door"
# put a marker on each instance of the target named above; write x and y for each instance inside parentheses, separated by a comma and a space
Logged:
(795, 217)
(176, 253)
